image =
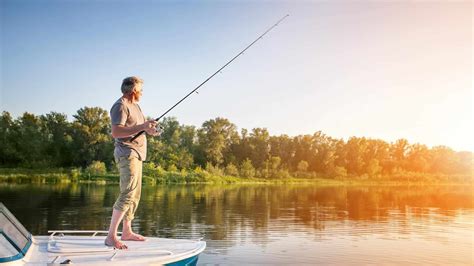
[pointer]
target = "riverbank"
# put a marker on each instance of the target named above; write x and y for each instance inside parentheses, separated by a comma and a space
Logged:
(75, 175)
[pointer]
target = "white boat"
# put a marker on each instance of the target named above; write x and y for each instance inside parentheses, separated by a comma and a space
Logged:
(19, 247)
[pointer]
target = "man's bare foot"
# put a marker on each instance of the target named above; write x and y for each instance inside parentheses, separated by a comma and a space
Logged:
(132, 237)
(115, 243)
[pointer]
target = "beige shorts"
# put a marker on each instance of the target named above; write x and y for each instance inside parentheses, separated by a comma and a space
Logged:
(130, 185)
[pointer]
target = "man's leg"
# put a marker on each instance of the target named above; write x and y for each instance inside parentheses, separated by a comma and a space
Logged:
(127, 233)
(112, 239)
(124, 201)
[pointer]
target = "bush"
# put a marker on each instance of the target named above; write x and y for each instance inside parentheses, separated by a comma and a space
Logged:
(302, 166)
(281, 174)
(96, 168)
(274, 162)
(247, 169)
(307, 175)
(175, 177)
(172, 168)
(339, 172)
(214, 170)
(201, 174)
(75, 173)
(150, 169)
(148, 180)
(373, 168)
(231, 170)
(191, 178)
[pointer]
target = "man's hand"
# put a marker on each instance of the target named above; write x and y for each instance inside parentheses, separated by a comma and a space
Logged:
(150, 127)
(156, 133)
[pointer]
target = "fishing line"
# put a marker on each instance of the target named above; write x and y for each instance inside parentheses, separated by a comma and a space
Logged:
(210, 77)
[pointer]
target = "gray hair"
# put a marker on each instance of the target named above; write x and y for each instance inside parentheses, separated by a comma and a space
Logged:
(128, 84)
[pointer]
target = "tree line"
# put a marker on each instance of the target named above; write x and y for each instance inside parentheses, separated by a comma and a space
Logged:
(50, 140)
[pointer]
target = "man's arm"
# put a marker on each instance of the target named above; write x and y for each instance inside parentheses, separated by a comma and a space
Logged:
(121, 131)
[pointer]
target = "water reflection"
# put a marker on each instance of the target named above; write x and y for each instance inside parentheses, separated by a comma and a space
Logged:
(282, 221)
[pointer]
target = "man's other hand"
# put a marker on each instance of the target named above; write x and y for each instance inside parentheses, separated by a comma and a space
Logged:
(150, 127)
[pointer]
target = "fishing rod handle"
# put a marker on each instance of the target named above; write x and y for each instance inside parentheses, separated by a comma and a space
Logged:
(137, 135)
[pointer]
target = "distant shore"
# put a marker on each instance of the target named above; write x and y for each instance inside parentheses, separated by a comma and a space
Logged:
(74, 175)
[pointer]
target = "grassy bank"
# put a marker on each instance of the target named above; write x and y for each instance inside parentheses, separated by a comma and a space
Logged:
(160, 176)
(53, 176)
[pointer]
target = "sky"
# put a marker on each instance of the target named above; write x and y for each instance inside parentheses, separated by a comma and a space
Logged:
(376, 69)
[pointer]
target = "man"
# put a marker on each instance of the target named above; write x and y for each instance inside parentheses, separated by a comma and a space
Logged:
(127, 120)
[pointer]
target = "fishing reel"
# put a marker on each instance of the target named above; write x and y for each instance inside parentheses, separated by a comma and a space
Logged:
(159, 129)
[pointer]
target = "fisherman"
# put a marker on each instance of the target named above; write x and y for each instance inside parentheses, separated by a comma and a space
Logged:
(127, 120)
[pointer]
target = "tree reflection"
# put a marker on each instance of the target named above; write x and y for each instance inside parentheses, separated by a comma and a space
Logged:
(233, 213)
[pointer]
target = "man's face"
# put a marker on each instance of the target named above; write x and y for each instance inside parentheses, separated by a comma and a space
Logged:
(137, 92)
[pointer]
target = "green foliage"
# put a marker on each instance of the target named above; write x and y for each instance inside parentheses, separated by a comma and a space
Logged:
(75, 174)
(259, 146)
(302, 166)
(214, 170)
(172, 168)
(282, 174)
(149, 181)
(58, 139)
(91, 136)
(216, 151)
(200, 173)
(271, 168)
(418, 158)
(175, 146)
(339, 172)
(214, 138)
(246, 169)
(8, 152)
(373, 168)
(96, 168)
(231, 170)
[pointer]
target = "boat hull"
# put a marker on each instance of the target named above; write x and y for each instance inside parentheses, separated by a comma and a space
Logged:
(88, 250)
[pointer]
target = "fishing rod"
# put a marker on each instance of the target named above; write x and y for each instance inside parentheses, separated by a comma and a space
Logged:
(218, 71)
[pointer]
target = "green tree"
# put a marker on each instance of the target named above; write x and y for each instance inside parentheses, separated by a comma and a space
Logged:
(8, 153)
(323, 151)
(215, 138)
(174, 146)
(398, 153)
(240, 148)
(373, 168)
(355, 151)
(275, 162)
(57, 131)
(283, 147)
(29, 141)
(303, 146)
(444, 160)
(418, 158)
(377, 156)
(259, 146)
(50, 140)
(91, 136)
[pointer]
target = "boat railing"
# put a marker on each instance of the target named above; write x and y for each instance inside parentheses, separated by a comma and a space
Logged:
(78, 232)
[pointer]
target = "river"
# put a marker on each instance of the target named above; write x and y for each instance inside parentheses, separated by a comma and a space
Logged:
(273, 224)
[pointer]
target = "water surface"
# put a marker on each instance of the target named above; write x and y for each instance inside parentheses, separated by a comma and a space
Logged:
(277, 224)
